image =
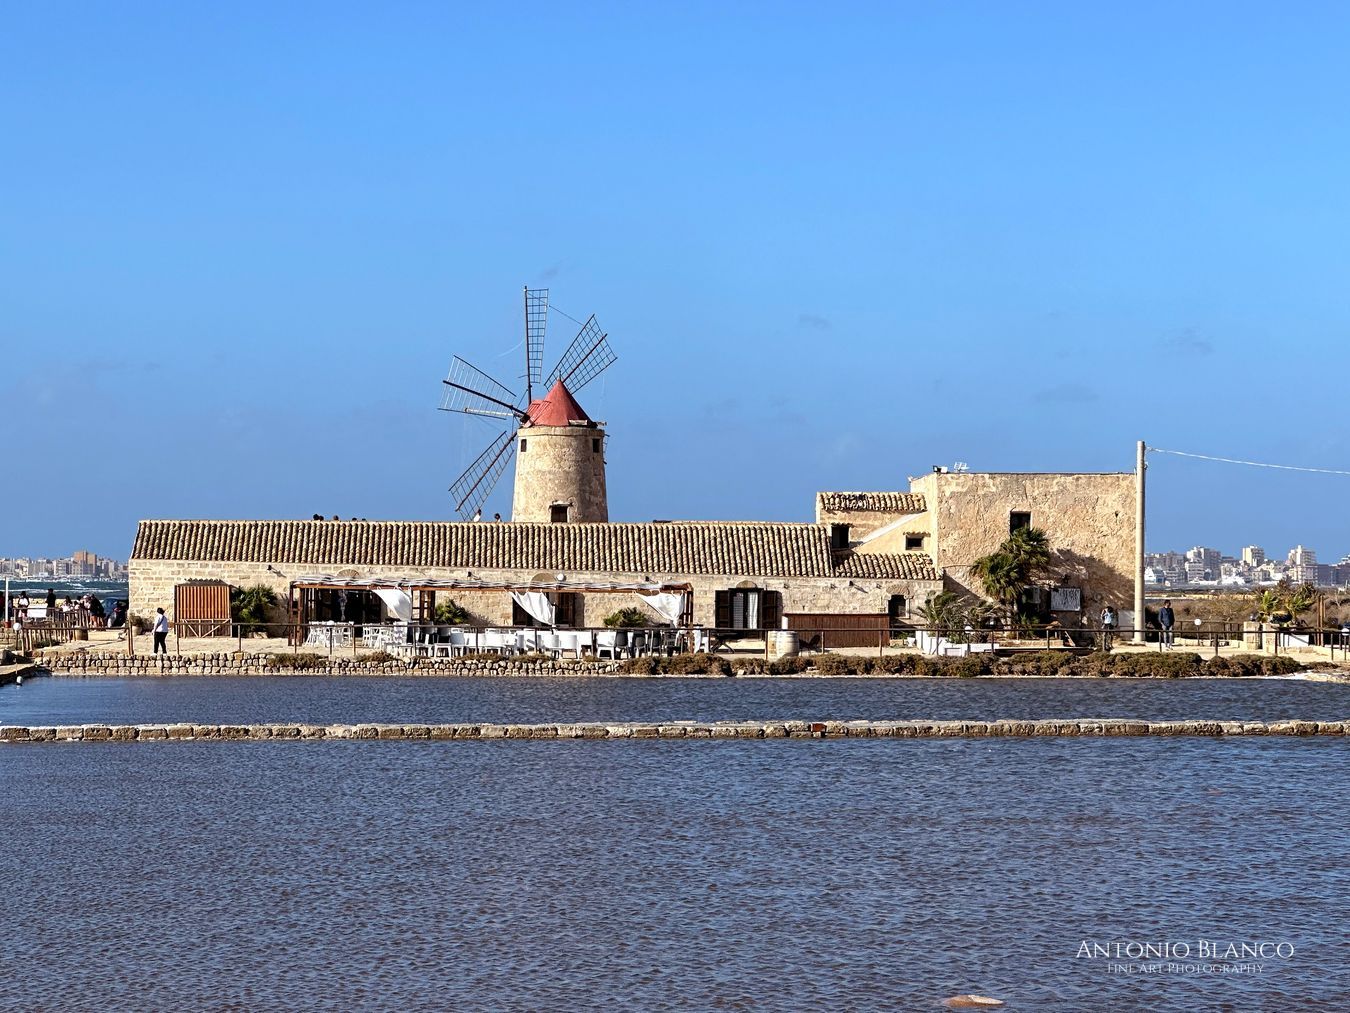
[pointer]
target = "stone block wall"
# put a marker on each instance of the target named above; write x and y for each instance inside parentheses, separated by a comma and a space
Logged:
(560, 465)
(1088, 518)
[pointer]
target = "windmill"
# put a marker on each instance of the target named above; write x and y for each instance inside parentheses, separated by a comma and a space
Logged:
(556, 472)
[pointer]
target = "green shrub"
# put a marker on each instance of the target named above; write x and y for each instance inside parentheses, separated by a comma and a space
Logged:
(1224, 666)
(1172, 665)
(694, 664)
(640, 666)
(627, 618)
(792, 664)
(302, 661)
(250, 605)
(42, 642)
(896, 664)
(379, 657)
(968, 667)
(1042, 663)
(1247, 665)
(750, 666)
(1281, 665)
(450, 613)
(840, 664)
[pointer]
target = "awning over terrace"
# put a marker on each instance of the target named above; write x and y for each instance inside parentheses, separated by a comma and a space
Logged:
(673, 602)
(323, 580)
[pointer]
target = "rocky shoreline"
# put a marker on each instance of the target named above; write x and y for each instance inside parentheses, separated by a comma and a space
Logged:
(1004, 728)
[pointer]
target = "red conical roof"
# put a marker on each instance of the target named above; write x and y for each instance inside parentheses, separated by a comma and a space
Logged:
(556, 408)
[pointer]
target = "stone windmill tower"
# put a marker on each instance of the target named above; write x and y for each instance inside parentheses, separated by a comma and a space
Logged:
(559, 450)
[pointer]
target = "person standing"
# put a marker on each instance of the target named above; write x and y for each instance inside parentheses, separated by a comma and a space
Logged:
(51, 602)
(1108, 626)
(161, 632)
(1166, 619)
(22, 606)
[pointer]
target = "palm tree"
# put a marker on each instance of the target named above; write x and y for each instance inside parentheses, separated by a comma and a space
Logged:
(1030, 548)
(1302, 599)
(1269, 604)
(1003, 576)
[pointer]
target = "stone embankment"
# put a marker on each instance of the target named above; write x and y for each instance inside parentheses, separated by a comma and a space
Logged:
(90, 663)
(1005, 728)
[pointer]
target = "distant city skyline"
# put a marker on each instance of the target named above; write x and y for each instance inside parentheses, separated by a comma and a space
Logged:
(80, 563)
(1203, 565)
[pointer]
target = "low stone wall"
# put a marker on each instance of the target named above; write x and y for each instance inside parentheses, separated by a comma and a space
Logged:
(92, 663)
(1080, 727)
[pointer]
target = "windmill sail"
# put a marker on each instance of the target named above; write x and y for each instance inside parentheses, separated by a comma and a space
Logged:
(536, 323)
(586, 357)
(471, 391)
(471, 490)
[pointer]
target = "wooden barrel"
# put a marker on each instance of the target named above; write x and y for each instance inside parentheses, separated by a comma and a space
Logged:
(782, 643)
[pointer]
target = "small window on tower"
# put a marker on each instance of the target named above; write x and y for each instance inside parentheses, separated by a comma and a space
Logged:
(557, 513)
(913, 543)
(1017, 520)
(595, 445)
(522, 444)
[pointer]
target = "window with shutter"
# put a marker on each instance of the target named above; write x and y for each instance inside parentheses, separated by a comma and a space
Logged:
(722, 611)
(746, 609)
(772, 610)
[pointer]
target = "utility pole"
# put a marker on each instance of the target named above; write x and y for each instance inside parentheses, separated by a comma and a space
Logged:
(1139, 468)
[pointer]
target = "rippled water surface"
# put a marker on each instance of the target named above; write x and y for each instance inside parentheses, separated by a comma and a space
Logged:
(330, 700)
(658, 874)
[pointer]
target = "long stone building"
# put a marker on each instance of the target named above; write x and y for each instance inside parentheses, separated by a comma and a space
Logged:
(868, 554)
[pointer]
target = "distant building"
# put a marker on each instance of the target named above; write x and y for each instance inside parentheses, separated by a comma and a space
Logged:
(1303, 565)
(1253, 555)
(1203, 563)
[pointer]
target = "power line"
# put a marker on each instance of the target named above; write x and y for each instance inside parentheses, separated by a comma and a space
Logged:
(1253, 464)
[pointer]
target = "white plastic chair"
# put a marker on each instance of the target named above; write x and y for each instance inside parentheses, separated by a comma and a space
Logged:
(550, 644)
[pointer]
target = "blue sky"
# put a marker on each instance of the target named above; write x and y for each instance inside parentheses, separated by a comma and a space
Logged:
(833, 245)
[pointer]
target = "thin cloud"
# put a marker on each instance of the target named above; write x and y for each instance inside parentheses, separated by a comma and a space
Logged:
(815, 321)
(1067, 393)
(1187, 343)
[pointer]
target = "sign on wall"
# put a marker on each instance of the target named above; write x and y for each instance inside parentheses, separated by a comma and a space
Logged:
(1066, 599)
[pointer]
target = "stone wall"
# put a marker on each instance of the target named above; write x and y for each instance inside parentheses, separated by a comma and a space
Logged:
(710, 730)
(152, 583)
(560, 465)
(100, 664)
(1088, 519)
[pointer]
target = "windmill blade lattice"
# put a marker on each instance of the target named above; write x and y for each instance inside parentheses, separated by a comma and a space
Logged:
(536, 323)
(471, 490)
(471, 391)
(586, 357)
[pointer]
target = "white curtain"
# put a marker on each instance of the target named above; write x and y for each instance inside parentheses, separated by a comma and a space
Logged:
(398, 602)
(536, 603)
(668, 606)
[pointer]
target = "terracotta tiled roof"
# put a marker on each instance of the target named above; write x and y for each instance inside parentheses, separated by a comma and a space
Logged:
(708, 547)
(556, 408)
(888, 566)
(871, 502)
